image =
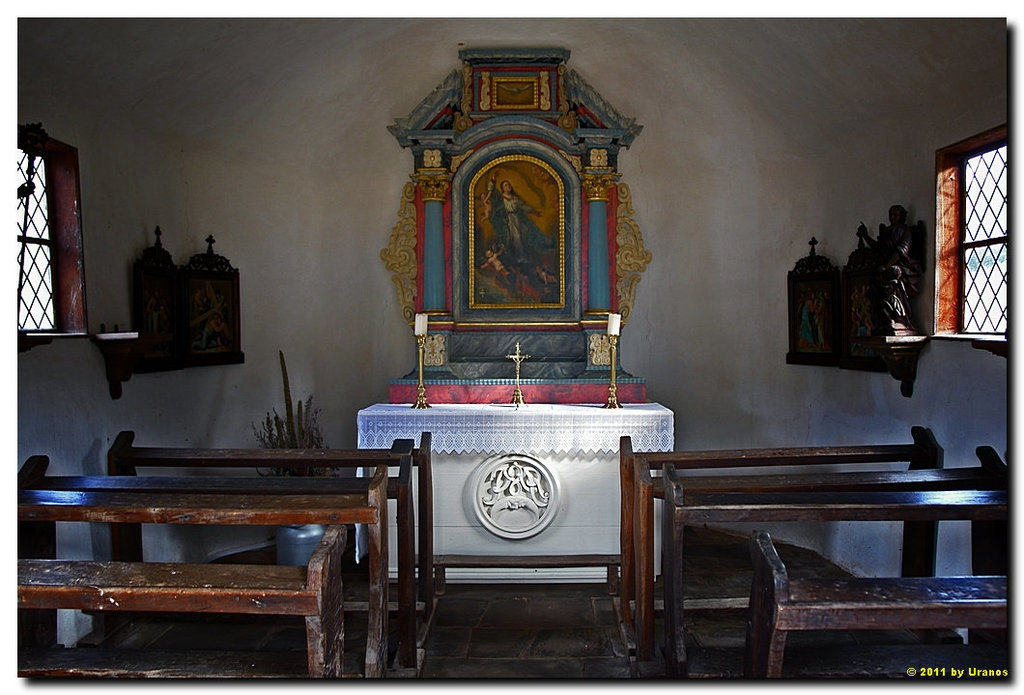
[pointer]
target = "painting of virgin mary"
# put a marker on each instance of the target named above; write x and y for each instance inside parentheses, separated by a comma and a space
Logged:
(517, 229)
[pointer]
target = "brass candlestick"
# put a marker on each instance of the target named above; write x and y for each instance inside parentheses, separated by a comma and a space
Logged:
(613, 400)
(421, 393)
(518, 357)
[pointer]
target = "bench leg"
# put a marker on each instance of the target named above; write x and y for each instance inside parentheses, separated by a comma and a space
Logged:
(406, 579)
(37, 540)
(375, 664)
(440, 584)
(325, 632)
(765, 643)
(612, 581)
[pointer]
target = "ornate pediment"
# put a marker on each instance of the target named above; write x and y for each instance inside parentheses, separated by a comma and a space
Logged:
(520, 83)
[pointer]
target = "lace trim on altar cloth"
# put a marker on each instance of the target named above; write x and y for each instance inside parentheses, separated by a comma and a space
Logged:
(538, 428)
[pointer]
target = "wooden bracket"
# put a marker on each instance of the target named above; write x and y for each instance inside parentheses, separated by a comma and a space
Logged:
(121, 352)
(900, 354)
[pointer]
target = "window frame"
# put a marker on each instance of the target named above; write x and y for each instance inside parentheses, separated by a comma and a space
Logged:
(949, 214)
(67, 260)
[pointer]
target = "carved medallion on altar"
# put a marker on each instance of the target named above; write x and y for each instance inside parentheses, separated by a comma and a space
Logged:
(516, 228)
(513, 496)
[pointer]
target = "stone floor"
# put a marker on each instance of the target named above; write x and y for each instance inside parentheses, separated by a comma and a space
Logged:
(564, 631)
(526, 631)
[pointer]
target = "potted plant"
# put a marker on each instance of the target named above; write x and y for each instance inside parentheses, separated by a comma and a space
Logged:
(298, 429)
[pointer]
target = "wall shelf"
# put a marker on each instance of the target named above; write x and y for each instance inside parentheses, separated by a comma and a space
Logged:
(900, 354)
(121, 352)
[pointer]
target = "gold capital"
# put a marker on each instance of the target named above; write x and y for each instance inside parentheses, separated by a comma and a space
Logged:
(598, 185)
(433, 186)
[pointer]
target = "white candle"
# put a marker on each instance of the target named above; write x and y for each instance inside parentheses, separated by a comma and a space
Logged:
(421, 325)
(614, 322)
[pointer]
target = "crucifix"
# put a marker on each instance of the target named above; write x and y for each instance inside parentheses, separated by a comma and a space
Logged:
(517, 357)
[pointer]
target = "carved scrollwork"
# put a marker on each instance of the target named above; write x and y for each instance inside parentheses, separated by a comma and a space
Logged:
(567, 120)
(632, 258)
(434, 351)
(574, 159)
(400, 255)
(545, 92)
(600, 350)
(210, 261)
(462, 120)
(514, 496)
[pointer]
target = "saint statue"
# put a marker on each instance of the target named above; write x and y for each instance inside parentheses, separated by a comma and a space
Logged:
(897, 274)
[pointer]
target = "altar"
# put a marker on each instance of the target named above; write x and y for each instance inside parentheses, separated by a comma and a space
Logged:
(522, 481)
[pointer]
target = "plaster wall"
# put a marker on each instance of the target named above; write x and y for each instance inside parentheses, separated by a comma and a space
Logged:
(725, 193)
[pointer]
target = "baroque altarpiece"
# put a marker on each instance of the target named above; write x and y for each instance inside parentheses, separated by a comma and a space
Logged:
(516, 229)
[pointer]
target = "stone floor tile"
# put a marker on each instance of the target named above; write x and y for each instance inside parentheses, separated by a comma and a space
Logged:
(489, 642)
(575, 642)
(506, 612)
(461, 612)
(449, 642)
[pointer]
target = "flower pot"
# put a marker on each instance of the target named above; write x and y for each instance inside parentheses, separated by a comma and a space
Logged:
(295, 543)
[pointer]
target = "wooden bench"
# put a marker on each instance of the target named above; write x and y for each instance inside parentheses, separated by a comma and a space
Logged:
(814, 500)
(731, 470)
(416, 600)
(780, 604)
(636, 508)
(46, 584)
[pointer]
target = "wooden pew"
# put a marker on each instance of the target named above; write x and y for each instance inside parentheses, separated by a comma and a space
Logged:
(636, 514)
(315, 591)
(416, 600)
(636, 523)
(814, 501)
(780, 604)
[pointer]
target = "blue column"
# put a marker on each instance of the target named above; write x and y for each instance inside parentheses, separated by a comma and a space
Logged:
(433, 256)
(597, 256)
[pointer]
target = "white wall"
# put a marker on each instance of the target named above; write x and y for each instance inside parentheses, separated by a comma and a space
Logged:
(725, 194)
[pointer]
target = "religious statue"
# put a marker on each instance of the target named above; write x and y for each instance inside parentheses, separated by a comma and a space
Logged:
(897, 273)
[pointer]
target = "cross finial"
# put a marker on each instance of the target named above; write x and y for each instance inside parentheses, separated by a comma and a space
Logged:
(813, 242)
(210, 241)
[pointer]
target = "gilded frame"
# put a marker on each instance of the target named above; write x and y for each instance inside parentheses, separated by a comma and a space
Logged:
(516, 251)
(515, 92)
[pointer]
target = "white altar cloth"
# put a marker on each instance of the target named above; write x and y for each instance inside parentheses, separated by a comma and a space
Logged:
(539, 428)
(573, 450)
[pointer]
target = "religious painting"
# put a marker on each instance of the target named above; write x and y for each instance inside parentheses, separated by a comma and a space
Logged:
(211, 327)
(813, 314)
(155, 307)
(156, 315)
(517, 236)
(814, 307)
(858, 321)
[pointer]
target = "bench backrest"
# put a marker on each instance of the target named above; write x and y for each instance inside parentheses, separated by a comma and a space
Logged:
(124, 458)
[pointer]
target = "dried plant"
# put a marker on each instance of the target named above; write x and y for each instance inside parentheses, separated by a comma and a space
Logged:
(299, 429)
